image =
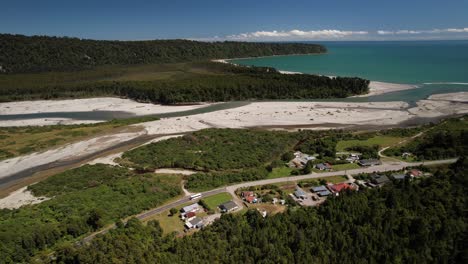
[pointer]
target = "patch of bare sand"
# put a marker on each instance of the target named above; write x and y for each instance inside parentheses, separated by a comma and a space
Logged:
(19, 198)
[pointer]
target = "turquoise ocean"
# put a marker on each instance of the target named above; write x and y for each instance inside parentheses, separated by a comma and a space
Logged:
(435, 66)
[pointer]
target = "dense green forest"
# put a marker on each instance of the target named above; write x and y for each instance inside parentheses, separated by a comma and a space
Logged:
(20, 53)
(83, 200)
(208, 82)
(447, 140)
(407, 222)
(212, 149)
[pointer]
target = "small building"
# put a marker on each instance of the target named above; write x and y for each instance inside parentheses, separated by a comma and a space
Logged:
(190, 208)
(251, 199)
(228, 206)
(246, 194)
(379, 179)
(415, 173)
(189, 215)
(300, 160)
(337, 188)
(399, 176)
(353, 157)
(323, 166)
(196, 222)
(406, 155)
(369, 162)
(321, 191)
(300, 194)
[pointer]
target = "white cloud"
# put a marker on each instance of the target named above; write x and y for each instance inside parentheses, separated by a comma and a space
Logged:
(296, 34)
(432, 31)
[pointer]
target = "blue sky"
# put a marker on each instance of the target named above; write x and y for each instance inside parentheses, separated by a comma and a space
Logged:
(253, 20)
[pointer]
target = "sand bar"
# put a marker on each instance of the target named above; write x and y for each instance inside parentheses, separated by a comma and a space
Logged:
(83, 105)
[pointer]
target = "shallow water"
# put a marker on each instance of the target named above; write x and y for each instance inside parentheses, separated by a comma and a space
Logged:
(435, 66)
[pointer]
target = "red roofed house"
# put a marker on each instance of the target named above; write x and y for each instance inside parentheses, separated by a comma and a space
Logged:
(190, 215)
(251, 199)
(415, 173)
(336, 188)
(247, 194)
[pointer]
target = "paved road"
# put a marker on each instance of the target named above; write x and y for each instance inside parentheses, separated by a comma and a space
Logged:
(391, 166)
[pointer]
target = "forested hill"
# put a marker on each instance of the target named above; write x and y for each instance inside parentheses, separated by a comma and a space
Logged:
(20, 53)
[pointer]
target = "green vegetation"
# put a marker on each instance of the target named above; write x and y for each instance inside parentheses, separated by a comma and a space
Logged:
(346, 166)
(421, 222)
(82, 200)
(41, 53)
(197, 82)
(213, 201)
(448, 139)
(212, 149)
(279, 172)
(380, 140)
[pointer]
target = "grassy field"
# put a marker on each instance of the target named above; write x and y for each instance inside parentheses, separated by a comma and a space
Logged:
(215, 200)
(334, 179)
(382, 141)
(348, 166)
(16, 141)
(279, 172)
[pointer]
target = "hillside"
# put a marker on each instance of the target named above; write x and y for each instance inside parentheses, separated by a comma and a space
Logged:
(21, 54)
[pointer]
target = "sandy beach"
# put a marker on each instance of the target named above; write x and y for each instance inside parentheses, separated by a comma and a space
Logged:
(377, 88)
(82, 105)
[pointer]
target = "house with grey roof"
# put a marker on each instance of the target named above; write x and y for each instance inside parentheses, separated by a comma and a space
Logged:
(379, 179)
(300, 194)
(399, 176)
(228, 206)
(195, 222)
(190, 208)
(369, 162)
(321, 191)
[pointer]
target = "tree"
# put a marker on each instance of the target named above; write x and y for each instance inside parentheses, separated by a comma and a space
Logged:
(173, 211)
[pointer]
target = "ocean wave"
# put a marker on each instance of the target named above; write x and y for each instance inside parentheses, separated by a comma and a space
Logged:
(450, 83)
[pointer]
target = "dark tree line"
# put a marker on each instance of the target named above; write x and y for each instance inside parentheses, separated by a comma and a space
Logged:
(19, 53)
(230, 83)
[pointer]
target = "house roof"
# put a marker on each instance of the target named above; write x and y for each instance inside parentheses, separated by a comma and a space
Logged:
(190, 208)
(339, 187)
(319, 188)
(247, 193)
(324, 193)
(380, 179)
(400, 176)
(299, 192)
(323, 166)
(415, 172)
(190, 214)
(196, 221)
(251, 199)
(228, 206)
